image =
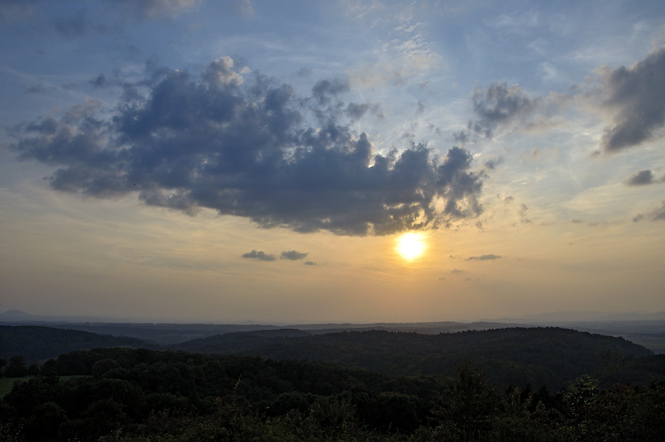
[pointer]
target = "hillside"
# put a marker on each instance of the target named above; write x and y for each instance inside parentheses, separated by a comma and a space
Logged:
(41, 343)
(514, 356)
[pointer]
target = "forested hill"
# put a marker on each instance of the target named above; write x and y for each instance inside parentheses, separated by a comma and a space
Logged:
(514, 356)
(40, 343)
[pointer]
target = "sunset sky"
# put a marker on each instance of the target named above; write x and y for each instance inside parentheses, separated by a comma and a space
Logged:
(231, 161)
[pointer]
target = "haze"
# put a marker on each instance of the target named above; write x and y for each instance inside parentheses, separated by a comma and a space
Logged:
(237, 161)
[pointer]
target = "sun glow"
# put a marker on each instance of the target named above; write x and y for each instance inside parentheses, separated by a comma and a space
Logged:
(410, 245)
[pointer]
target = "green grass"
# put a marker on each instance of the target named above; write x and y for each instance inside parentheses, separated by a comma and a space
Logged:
(6, 385)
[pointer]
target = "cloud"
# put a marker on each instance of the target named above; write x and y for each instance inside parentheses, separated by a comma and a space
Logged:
(483, 257)
(456, 271)
(159, 8)
(325, 90)
(293, 255)
(641, 178)
(657, 214)
(73, 26)
(522, 213)
(260, 255)
(636, 94)
(220, 73)
(310, 263)
(242, 7)
(248, 146)
(499, 104)
(13, 10)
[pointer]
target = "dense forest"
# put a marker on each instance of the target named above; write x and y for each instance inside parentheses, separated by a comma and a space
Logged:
(145, 395)
(541, 384)
(510, 356)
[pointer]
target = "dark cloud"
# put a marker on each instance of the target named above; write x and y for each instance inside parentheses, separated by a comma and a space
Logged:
(493, 163)
(310, 263)
(499, 104)
(638, 95)
(248, 146)
(73, 26)
(483, 257)
(641, 178)
(325, 90)
(99, 82)
(35, 89)
(260, 255)
(293, 255)
(461, 137)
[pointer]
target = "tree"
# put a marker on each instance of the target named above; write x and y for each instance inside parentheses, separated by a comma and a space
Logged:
(16, 368)
(469, 406)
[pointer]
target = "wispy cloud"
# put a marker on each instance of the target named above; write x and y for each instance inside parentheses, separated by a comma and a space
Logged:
(488, 257)
(157, 8)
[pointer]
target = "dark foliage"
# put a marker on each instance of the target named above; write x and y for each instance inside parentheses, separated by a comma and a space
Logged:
(511, 356)
(133, 395)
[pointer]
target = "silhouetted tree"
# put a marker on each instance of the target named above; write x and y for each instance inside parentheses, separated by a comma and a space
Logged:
(16, 367)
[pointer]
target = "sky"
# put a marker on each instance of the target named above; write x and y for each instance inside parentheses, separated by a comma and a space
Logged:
(247, 160)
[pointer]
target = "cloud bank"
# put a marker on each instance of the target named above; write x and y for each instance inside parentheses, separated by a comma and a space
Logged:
(247, 146)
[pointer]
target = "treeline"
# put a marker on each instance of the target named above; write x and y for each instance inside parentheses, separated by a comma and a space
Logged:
(510, 356)
(513, 356)
(142, 395)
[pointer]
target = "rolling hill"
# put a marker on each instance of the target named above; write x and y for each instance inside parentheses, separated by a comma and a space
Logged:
(513, 356)
(41, 343)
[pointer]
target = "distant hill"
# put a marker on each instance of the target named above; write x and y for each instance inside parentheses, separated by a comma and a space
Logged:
(509, 356)
(40, 343)
(512, 356)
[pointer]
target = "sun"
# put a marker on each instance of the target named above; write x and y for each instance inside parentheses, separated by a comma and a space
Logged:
(410, 245)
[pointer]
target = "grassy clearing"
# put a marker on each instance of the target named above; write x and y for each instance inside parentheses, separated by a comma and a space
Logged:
(6, 385)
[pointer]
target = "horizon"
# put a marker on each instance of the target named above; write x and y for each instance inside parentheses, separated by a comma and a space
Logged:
(349, 162)
(562, 317)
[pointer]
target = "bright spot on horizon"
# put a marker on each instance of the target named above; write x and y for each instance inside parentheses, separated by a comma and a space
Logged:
(410, 245)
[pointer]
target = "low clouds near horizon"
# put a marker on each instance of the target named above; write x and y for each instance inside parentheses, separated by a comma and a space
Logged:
(291, 255)
(488, 257)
